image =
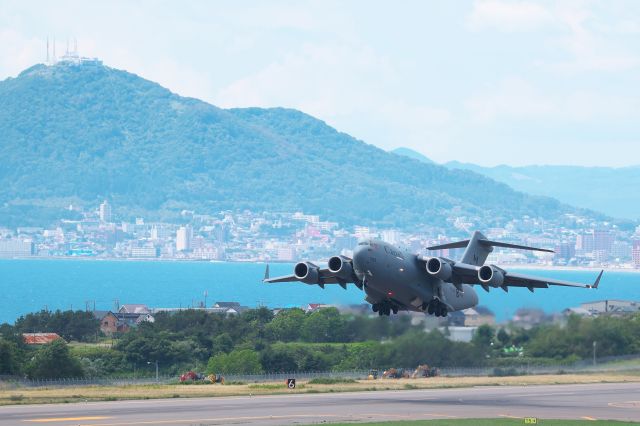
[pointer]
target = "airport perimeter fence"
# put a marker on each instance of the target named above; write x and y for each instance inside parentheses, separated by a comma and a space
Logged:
(608, 364)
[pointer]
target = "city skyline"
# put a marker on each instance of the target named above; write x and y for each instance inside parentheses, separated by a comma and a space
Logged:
(487, 82)
(245, 236)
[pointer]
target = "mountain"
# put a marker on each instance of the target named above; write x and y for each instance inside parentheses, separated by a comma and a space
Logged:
(407, 152)
(613, 191)
(82, 133)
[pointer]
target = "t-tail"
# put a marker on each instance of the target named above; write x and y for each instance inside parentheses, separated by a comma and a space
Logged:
(479, 247)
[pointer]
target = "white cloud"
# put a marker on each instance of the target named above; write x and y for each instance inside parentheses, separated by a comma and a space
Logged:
(579, 30)
(341, 84)
(512, 98)
(508, 16)
(517, 99)
(590, 48)
(20, 52)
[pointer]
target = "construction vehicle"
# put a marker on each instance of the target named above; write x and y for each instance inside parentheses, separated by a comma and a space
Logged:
(425, 371)
(192, 376)
(216, 378)
(395, 373)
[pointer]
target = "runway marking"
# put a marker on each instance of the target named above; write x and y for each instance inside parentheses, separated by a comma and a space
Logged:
(399, 416)
(217, 419)
(65, 419)
(625, 404)
(544, 394)
(440, 415)
(509, 417)
(290, 416)
(588, 418)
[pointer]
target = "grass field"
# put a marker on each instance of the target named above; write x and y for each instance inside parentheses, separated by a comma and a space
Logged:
(22, 395)
(489, 422)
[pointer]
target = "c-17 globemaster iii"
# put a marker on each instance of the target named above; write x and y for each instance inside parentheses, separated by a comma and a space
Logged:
(396, 280)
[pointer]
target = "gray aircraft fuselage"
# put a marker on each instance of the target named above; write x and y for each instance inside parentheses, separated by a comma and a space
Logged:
(397, 276)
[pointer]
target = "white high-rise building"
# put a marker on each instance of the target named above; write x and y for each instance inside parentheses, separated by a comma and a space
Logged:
(183, 238)
(105, 212)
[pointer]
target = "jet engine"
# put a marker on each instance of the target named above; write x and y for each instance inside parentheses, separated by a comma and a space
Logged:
(341, 267)
(490, 275)
(439, 268)
(306, 272)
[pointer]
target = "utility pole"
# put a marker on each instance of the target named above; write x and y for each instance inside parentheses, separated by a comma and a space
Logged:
(157, 376)
(595, 344)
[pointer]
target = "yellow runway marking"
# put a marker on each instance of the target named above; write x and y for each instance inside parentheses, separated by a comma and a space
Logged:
(588, 418)
(440, 415)
(217, 419)
(65, 419)
(625, 404)
(249, 418)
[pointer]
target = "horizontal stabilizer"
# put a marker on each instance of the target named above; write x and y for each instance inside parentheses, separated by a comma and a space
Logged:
(514, 246)
(464, 243)
(457, 244)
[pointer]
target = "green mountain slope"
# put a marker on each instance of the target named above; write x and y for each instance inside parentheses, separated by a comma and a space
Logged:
(407, 152)
(83, 133)
(613, 191)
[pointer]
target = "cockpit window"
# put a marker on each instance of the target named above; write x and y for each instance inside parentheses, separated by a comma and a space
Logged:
(363, 243)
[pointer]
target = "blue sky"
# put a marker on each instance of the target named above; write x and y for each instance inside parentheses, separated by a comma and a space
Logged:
(490, 82)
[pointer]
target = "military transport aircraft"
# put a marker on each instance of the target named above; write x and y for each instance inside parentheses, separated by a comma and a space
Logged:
(396, 280)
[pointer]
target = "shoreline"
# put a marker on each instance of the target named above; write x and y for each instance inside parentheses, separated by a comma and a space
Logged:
(515, 266)
(528, 266)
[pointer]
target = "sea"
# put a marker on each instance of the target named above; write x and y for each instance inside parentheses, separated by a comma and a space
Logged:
(35, 284)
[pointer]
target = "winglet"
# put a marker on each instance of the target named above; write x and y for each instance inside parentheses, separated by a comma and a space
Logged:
(595, 285)
(266, 273)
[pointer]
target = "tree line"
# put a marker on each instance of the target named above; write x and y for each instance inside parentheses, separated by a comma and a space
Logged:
(257, 341)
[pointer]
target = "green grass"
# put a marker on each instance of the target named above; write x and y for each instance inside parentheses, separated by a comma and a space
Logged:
(488, 422)
(268, 386)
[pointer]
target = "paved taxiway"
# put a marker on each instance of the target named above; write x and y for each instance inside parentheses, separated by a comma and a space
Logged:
(594, 401)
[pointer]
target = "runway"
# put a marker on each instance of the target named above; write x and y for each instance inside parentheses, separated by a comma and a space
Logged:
(619, 401)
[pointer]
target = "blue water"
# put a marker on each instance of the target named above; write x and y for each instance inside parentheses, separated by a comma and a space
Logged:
(31, 285)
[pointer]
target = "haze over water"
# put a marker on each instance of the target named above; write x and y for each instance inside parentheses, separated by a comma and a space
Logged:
(30, 285)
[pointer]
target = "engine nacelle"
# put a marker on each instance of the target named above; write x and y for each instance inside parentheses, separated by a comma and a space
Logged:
(341, 267)
(306, 272)
(490, 275)
(439, 268)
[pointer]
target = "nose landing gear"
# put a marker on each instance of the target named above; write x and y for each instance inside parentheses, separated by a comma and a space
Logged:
(435, 307)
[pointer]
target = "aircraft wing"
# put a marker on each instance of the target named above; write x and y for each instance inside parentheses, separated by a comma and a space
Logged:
(468, 274)
(512, 279)
(464, 273)
(325, 276)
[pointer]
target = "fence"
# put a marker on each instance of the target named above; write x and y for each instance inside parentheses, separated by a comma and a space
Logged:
(609, 364)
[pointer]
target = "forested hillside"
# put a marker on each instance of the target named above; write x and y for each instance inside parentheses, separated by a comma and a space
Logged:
(78, 134)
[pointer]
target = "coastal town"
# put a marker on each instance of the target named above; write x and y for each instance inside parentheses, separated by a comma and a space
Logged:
(248, 236)
(459, 326)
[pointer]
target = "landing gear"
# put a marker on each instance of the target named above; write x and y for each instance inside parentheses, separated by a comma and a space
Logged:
(384, 308)
(436, 307)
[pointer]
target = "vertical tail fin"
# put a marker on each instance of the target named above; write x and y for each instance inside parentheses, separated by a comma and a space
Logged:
(476, 252)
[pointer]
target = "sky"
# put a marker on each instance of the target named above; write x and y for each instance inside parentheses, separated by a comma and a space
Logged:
(488, 81)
